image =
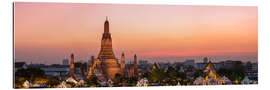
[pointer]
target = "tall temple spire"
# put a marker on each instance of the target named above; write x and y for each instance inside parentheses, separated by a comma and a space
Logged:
(106, 51)
(110, 65)
(106, 26)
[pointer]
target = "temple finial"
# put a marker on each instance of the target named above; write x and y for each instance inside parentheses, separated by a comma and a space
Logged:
(106, 18)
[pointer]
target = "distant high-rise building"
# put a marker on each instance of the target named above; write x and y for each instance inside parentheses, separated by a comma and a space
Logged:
(71, 71)
(135, 65)
(123, 63)
(91, 61)
(65, 62)
(205, 60)
(88, 64)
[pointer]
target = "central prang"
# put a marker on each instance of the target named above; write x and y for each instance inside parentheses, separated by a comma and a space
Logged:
(106, 63)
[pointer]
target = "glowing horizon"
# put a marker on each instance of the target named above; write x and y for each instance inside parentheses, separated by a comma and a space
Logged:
(50, 32)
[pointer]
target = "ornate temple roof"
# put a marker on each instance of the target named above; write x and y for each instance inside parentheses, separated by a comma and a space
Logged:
(155, 66)
(210, 69)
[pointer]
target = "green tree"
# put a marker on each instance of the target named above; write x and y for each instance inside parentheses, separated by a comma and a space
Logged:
(238, 71)
(93, 81)
(178, 66)
(53, 81)
(172, 73)
(157, 75)
(30, 73)
(83, 68)
(181, 77)
(198, 73)
(224, 72)
(172, 76)
(235, 73)
(118, 79)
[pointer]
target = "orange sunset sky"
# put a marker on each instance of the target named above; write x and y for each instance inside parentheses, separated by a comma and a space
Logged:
(49, 32)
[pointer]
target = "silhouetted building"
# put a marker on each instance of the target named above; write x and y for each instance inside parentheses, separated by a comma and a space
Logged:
(56, 70)
(205, 60)
(65, 62)
(90, 62)
(143, 62)
(189, 62)
(92, 59)
(20, 65)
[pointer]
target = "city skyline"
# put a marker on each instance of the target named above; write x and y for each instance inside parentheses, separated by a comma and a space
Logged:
(145, 30)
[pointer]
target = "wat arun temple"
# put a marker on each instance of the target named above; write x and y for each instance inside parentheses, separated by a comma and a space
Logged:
(106, 65)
